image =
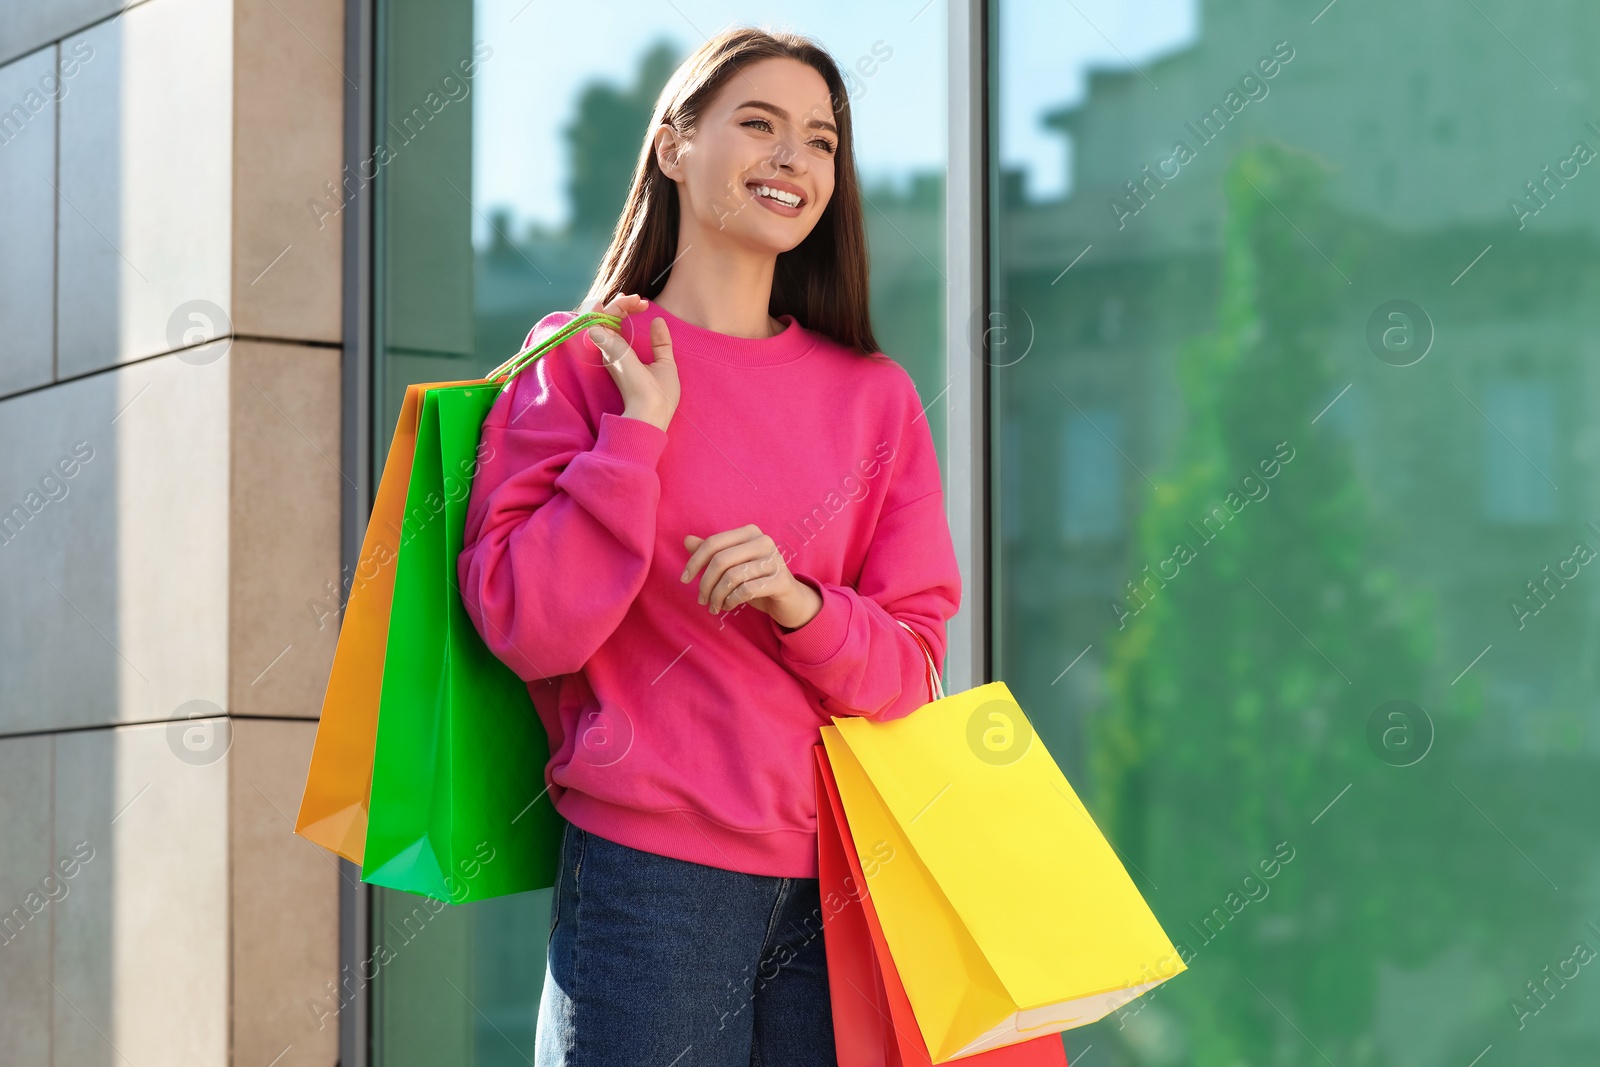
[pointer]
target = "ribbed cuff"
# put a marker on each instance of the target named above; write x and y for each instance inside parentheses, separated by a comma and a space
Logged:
(630, 439)
(821, 638)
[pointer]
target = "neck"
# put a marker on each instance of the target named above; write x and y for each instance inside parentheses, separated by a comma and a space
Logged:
(721, 288)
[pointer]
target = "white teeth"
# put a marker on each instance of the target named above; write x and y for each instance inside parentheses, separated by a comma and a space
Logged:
(777, 194)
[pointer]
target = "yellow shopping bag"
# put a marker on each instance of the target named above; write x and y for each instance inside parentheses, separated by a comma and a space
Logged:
(1006, 911)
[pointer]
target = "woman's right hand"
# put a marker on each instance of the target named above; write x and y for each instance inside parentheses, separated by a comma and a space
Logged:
(650, 392)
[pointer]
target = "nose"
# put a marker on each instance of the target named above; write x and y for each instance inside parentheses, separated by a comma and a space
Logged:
(786, 152)
(790, 158)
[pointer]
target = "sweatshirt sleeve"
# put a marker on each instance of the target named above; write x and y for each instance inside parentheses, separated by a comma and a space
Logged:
(561, 521)
(854, 651)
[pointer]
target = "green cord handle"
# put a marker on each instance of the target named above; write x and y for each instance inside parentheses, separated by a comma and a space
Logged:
(517, 363)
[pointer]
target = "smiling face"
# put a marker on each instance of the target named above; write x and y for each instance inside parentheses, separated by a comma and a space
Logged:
(770, 130)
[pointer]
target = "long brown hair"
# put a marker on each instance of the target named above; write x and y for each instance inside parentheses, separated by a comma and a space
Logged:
(822, 281)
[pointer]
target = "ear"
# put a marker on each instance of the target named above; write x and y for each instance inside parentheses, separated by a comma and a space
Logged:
(669, 150)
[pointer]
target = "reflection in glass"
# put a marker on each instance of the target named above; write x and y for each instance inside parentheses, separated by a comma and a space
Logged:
(1209, 212)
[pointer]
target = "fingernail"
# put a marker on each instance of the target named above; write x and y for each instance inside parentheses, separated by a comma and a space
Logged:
(595, 334)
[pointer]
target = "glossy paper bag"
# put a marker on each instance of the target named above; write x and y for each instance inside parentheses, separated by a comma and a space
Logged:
(1011, 916)
(873, 1024)
(459, 810)
(333, 807)
(420, 840)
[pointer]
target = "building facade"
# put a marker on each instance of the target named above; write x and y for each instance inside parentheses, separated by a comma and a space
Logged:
(1256, 339)
(170, 447)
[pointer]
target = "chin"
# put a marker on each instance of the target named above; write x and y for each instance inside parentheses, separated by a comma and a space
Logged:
(768, 247)
(778, 243)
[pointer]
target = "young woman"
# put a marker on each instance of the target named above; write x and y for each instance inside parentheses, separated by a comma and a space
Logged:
(698, 539)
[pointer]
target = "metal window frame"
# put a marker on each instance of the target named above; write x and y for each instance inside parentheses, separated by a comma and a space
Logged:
(968, 660)
(355, 453)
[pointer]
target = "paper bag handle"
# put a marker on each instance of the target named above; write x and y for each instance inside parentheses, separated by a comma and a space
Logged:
(934, 684)
(517, 363)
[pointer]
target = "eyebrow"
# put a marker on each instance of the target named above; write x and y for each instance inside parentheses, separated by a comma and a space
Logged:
(818, 124)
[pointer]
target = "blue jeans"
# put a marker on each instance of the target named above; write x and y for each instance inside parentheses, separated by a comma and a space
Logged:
(660, 962)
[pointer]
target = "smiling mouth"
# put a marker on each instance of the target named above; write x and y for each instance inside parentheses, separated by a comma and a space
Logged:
(755, 187)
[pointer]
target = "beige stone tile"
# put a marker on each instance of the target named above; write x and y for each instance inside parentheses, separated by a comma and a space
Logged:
(145, 178)
(284, 578)
(120, 549)
(285, 904)
(288, 142)
(141, 947)
(30, 890)
(199, 541)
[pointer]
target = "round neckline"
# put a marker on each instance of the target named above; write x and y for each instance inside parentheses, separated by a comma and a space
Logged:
(785, 346)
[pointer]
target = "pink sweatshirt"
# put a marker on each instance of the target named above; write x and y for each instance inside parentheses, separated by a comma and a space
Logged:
(673, 730)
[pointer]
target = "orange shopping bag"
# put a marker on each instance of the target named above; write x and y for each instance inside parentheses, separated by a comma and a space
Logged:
(333, 808)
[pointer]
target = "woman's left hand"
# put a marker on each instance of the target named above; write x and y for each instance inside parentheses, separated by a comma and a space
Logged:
(743, 566)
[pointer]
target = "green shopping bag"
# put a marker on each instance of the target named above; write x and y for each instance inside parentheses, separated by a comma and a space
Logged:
(458, 807)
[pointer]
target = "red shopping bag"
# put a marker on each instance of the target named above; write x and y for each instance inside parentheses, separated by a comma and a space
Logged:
(872, 1021)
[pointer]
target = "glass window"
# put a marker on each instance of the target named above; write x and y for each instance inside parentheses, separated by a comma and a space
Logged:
(1091, 483)
(1010, 490)
(497, 191)
(1330, 690)
(1519, 448)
